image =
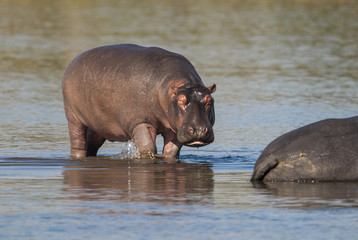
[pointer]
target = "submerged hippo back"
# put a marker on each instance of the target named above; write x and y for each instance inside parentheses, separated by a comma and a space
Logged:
(324, 151)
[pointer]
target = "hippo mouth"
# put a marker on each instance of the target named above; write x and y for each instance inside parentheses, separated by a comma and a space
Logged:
(196, 144)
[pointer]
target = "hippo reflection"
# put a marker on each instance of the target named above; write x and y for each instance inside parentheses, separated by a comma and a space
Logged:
(141, 182)
(311, 195)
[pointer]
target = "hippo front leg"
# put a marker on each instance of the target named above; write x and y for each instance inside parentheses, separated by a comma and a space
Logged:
(144, 136)
(171, 147)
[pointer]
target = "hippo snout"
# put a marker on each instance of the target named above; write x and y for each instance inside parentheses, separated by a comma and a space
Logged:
(196, 136)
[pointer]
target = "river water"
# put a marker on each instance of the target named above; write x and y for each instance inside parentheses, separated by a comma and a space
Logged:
(278, 65)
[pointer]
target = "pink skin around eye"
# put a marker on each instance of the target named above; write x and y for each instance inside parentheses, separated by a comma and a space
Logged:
(207, 100)
(182, 101)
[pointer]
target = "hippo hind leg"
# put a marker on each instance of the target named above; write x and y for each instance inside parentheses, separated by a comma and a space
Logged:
(93, 142)
(77, 132)
(84, 141)
(264, 168)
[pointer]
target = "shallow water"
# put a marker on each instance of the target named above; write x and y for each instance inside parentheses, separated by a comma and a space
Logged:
(277, 64)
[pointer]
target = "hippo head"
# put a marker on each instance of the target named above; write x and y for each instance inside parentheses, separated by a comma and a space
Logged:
(191, 114)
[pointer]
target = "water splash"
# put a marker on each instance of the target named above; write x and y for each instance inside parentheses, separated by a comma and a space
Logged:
(130, 151)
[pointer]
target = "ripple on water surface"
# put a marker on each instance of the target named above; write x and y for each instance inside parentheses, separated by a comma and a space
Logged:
(106, 195)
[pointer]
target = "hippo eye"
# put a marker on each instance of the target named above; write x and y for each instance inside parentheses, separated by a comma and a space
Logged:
(182, 101)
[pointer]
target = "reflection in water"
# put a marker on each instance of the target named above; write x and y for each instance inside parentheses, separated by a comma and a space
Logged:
(311, 195)
(127, 181)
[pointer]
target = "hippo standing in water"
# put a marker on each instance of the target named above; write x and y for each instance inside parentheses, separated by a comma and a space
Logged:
(322, 151)
(122, 92)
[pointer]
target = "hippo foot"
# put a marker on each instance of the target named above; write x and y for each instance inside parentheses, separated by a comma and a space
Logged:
(146, 154)
(78, 153)
(149, 156)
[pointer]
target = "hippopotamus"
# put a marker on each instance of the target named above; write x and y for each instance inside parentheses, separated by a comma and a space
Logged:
(128, 92)
(322, 151)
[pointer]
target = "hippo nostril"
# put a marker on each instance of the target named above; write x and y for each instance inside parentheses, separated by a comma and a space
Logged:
(198, 132)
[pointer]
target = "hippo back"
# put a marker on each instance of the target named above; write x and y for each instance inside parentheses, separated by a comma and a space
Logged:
(324, 151)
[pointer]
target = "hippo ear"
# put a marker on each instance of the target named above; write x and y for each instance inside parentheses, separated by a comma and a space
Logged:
(212, 88)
